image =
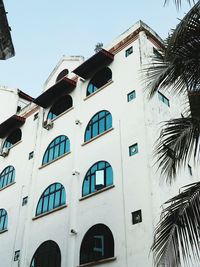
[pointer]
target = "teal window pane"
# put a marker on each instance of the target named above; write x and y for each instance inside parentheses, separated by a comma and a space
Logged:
(45, 204)
(109, 176)
(51, 202)
(93, 189)
(88, 135)
(57, 199)
(51, 189)
(108, 122)
(51, 151)
(63, 197)
(95, 129)
(56, 152)
(39, 207)
(101, 125)
(131, 96)
(133, 149)
(67, 147)
(62, 148)
(86, 188)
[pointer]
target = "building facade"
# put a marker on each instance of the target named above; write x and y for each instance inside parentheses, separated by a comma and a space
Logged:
(77, 186)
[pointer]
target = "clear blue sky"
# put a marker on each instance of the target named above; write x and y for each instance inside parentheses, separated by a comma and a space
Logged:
(44, 30)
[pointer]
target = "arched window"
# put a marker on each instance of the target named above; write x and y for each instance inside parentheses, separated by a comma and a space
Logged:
(100, 78)
(7, 176)
(13, 138)
(59, 146)
(99, 123)
(3, 220)
(97, 244)
(61, 105)
(100, 175)
(48, 255)
(54, 196)
(62, 74)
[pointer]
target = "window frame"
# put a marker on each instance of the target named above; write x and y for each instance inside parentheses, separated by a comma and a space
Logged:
(52, 152)
(129, 51)
(103, 119)
(129, 99)
(90, 178)
(45, 200)
(163, 99)
(5, 176)
(4, 217)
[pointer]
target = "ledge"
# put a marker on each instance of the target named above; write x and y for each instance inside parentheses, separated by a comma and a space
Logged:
(97, 91)
(60, 115)
(98, 262)
(94, 138)
(47, 164)
(49, 212)
(97, 192)
(8, 185)
(3, 231)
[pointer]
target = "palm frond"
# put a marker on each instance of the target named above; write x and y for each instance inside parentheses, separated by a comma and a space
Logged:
(179, 69)
(178, 141)
(179, 2)
(178, 231)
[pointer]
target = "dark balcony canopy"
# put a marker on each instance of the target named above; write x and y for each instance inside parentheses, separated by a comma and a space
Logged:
(194, 100)
(101, 59)
(10, 125)
(6, 45)
(62, 87)
(23, 95)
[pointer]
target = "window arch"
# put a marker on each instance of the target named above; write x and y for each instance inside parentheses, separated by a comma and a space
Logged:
(14, 137)
(62, 74)
(7, 176)
(54, 196)
(48, 254)
(100, 79)
(61, 105)
(100, 122)
(97, 244)
(100, 175)
(59, 146)
(3, 220)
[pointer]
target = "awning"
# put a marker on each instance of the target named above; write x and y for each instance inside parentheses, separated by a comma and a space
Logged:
(62, 87)
(101, 59)
(11, 124)
(23, 95)
(194, 100)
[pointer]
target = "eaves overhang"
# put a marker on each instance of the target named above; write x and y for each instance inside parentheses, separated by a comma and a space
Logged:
(62, 87)
(23, 95)
(11, 124)
(99, 60)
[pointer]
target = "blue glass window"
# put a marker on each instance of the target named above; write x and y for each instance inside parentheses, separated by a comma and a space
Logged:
(128, 51)
(13, 138)
(163, 98)
(100, 79)
(59, 146)
(97, 244)
(133, 149)
(61, 105)
(100, 175)
(3, 220)
(54, 196)
(7, 176)
(99, 123)
(131, 96)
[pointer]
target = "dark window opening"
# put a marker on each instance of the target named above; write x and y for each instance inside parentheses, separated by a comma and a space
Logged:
(97, 244)
(100, 78)
(48, 255)
(3, 220)
(62, 74)
(13, 138)
(61, 105)
(128, 51)
(19, 108)
(31, 154)
(136, 217)
(24, 201)
(35, 116)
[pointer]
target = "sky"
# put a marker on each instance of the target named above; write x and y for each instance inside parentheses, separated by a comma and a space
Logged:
(45, 30)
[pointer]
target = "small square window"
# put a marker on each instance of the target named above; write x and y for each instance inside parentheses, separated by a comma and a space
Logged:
(17, 255)
(31, 154)
(35, 116)
(24, 201)
(133, 149)
(131, 96)
(128, 51)
(136, 217)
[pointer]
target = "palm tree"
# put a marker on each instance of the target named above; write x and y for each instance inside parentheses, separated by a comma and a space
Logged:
(177, 235)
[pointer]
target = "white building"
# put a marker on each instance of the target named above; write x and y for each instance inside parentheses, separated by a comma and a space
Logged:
(77, 183)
